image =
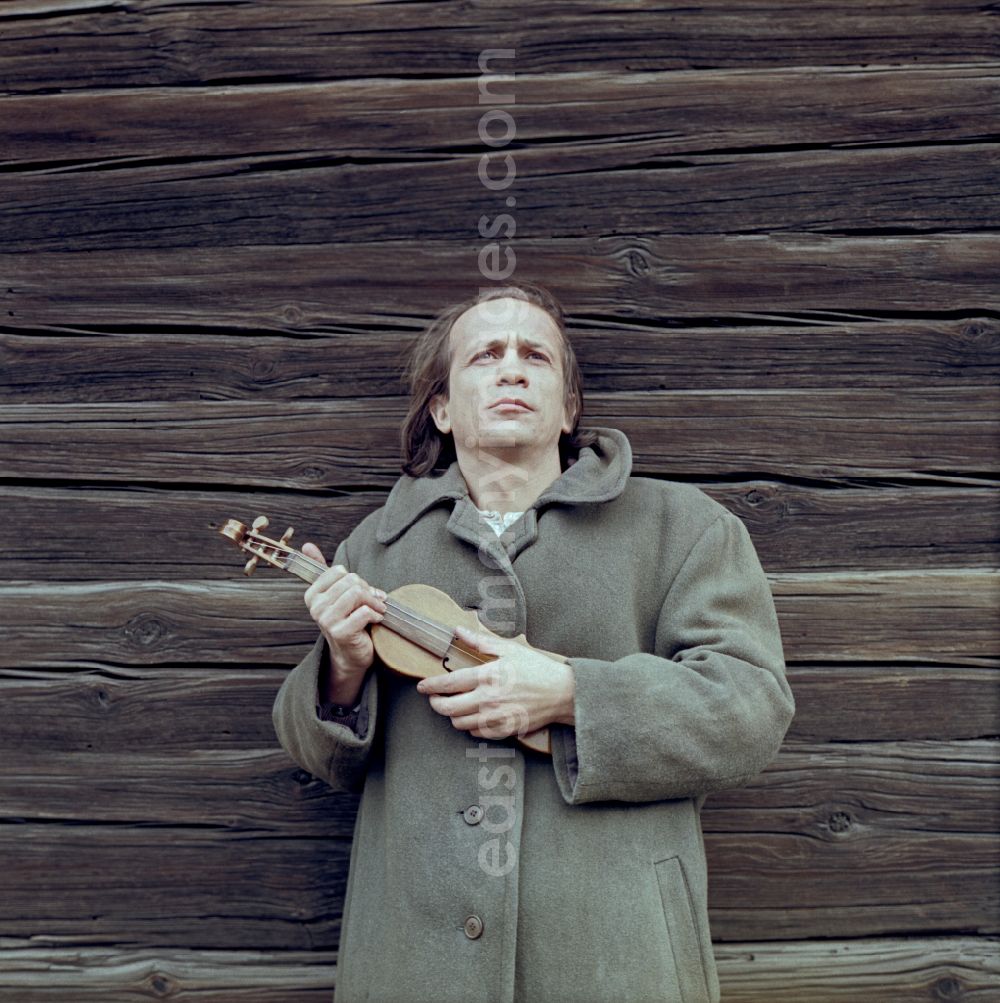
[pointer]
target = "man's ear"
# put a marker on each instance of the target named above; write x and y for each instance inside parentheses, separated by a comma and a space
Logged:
(438, 407)
(568, 412)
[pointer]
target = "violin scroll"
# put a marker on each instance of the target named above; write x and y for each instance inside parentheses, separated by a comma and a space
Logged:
(277, 553)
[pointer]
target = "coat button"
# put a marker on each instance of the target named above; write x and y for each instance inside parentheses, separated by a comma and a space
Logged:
(473, 814)
(473, 927)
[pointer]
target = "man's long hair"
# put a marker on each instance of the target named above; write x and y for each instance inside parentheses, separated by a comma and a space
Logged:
(424, 449)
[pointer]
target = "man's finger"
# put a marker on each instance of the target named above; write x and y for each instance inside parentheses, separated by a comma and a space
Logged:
(462, 705)
(485, 643)
(451, 682)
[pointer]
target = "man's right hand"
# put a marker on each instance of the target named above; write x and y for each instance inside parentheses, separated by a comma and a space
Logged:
(343, 605)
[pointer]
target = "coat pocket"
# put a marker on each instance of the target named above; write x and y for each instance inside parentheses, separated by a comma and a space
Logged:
(682, 930)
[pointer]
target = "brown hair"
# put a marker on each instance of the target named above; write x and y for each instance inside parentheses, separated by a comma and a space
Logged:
(424, 448)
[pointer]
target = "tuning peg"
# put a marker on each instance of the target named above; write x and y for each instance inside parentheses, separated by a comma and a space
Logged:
(250, 565)
(261, 522)
(286, 537)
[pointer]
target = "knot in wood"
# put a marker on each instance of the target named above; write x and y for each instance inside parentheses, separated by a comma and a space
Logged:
(262, 369)
(292, 314)
(638, 263)
(311, 472)
(947, 988)
(144, 630)
(840, 821)
(161, 985)
(977, 330)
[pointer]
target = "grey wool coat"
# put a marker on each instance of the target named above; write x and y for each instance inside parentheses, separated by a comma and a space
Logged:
(482, 872)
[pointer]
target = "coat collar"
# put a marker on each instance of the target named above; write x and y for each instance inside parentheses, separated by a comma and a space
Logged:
(598, 475)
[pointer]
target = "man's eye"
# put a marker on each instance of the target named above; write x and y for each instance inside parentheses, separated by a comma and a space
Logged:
(484, 352)
(540, 355)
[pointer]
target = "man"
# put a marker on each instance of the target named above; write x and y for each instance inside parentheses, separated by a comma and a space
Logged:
(482, 870)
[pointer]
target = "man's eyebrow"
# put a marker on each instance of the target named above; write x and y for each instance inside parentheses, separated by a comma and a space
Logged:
(495, 341)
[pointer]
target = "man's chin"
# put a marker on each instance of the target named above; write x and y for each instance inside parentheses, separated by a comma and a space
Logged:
(504, 435)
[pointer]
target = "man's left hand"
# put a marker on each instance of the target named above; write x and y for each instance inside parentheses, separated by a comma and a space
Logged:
(518, 692)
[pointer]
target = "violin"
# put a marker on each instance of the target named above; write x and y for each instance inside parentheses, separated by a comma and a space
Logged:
(416, 637)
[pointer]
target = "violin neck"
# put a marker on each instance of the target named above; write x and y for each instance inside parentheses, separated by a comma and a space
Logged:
(303, 567)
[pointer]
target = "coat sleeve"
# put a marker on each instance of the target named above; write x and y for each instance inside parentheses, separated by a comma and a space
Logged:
(707, 710)
(330, 750)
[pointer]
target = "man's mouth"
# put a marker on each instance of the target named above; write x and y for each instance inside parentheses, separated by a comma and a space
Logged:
(510, 404)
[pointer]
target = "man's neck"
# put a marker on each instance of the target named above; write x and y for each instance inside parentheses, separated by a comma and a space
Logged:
(507, 480)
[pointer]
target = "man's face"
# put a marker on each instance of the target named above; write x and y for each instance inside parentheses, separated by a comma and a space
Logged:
(504, 350)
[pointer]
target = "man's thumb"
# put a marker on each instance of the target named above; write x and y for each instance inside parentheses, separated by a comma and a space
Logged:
(311, 550)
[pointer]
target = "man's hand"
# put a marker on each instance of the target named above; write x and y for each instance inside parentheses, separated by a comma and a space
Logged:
(521, 691)
(343, 605)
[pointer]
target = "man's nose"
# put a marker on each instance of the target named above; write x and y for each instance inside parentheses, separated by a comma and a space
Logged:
(512, 369)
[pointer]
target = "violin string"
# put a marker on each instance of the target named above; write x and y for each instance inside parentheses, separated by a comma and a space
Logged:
(307, 561)
(425, 625)
(417, 621)
(435, 632)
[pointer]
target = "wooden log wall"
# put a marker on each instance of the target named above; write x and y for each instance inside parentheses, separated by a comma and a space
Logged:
(775, 229)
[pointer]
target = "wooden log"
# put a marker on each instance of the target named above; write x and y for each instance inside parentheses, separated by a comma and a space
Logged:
(789, 886)
(851, 703)
(97, 43)
(911, 970)
(236, 623)
(892, 970)
(236, 789)
(191, 886)
(885, 789)
(107, 710)
(74, 973)
(322, 288)
(116, 534)
(325, 444)
(895, 615)
(899, 188)
(869, 789)
(388, 119)
(928, 617)
(137, 534)
(613, 356)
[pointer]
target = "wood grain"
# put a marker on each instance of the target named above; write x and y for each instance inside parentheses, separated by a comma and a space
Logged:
(805, 433)
(296, 289)
(105, 711)
(613, 356)
(403, 121)
(147, 43)
(892, 615)
(198, 887)
(789, 886)
(938, 189)
(125, 974)
(910, 970)
(125, 534)
(113, 534)
(827, 791)
(906, 616)
(209, 887)
(839, 791)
